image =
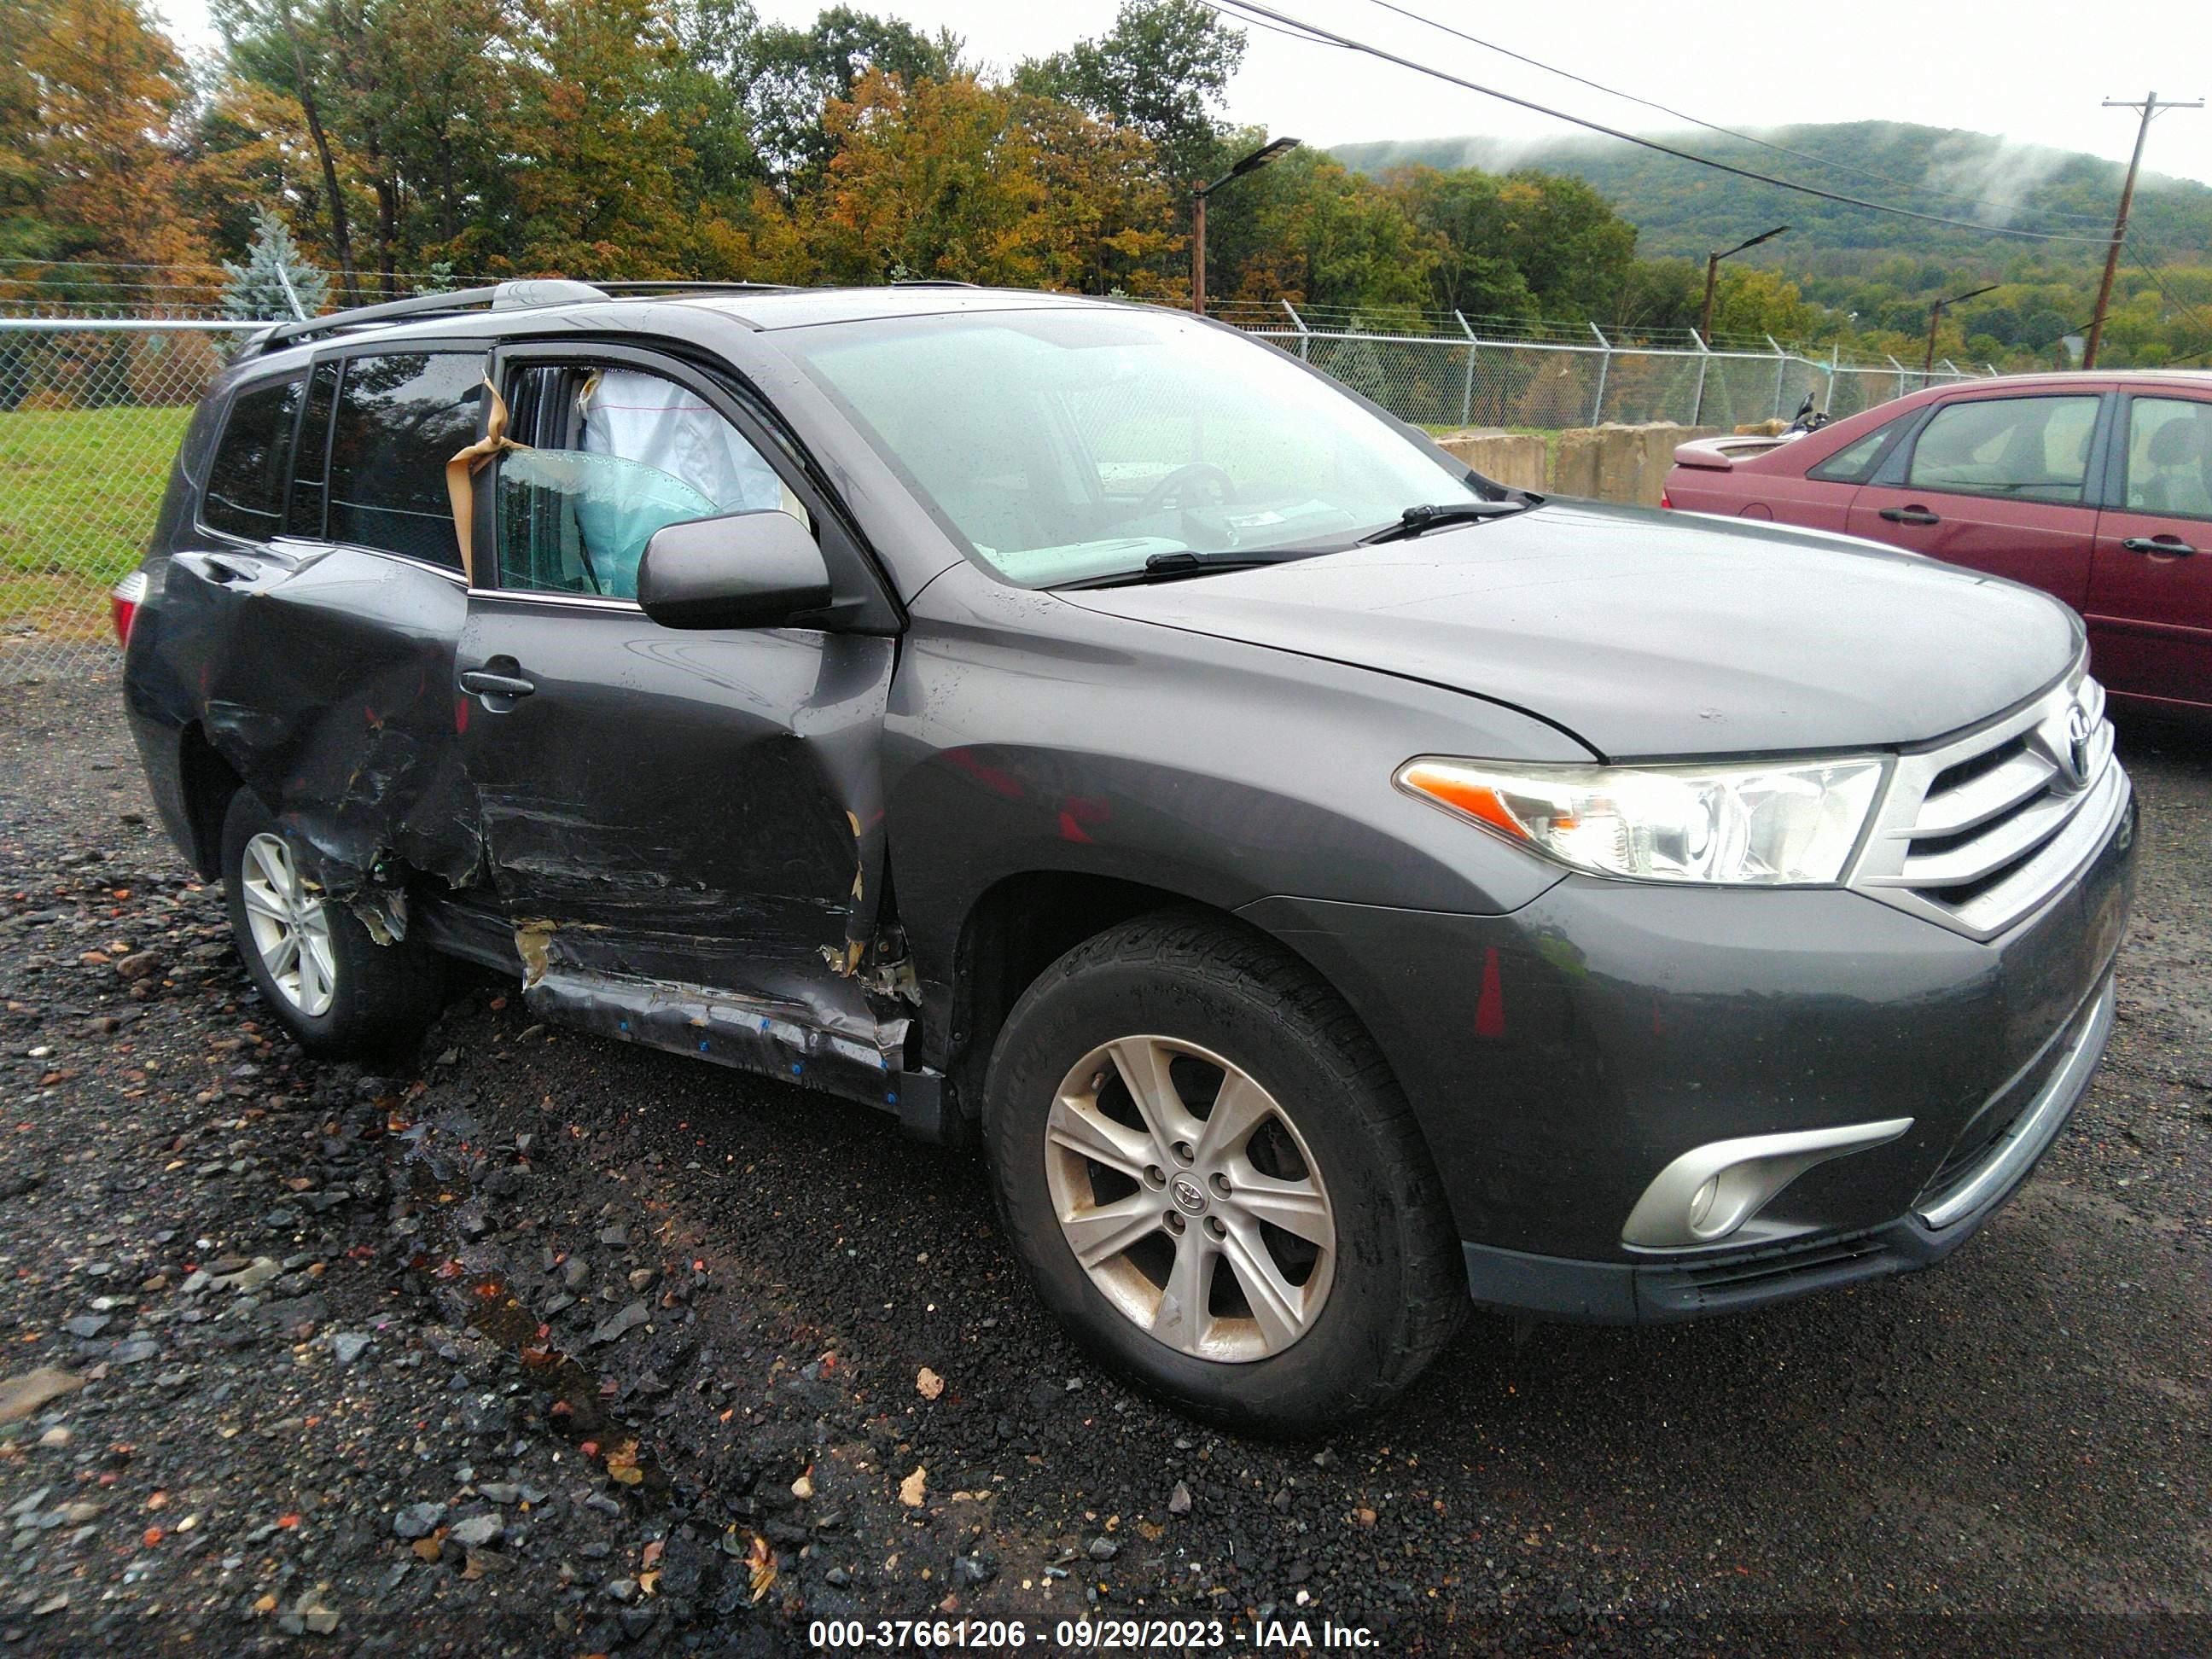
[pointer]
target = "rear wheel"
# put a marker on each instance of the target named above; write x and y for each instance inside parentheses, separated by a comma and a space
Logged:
(1212, 1179)
(339, 991)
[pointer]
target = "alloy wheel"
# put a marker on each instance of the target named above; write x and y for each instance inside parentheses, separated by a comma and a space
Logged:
(290, 927)
(1188, 1195)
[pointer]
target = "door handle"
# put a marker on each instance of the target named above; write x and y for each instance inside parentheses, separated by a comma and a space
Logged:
(495, 685)
(1914, 514)
(2173, 546)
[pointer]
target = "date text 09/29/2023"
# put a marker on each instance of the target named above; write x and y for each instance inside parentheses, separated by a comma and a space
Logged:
(1074, 1635)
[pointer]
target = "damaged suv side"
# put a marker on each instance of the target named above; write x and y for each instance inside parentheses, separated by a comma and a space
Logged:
(1331, 888)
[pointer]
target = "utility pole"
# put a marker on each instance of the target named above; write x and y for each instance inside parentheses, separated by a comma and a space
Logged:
(1936, 316)
(2149, 107)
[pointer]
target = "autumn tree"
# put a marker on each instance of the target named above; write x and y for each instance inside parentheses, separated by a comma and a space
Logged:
(794, 75)
(597, 163)
(93, 98)
(981, 184)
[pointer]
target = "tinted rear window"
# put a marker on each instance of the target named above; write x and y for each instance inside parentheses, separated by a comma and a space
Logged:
(400, 418)
(246, 482)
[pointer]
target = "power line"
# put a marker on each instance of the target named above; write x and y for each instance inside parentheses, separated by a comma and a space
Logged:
(1695, 121)
(1242, 7)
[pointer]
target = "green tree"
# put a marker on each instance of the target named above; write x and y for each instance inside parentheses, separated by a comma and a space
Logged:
(1162, 70)
(275, 282)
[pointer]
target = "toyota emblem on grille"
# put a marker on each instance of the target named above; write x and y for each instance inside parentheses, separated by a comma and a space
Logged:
(2073, 757)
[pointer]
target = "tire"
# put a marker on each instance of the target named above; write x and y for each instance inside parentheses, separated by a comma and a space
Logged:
(1312, 1129)
(345, 996)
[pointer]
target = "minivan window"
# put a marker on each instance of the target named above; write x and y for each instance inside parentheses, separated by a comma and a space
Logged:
(1075, 443)
(2170, 457)
(2026, 448)
(632, 452)
(246, 482)
(400, 418)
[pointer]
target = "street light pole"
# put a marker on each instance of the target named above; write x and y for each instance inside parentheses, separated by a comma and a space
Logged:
(1936, 316)
(1252, 163)
(1713, 272)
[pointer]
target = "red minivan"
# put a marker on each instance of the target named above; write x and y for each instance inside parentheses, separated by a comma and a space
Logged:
(2096, 488)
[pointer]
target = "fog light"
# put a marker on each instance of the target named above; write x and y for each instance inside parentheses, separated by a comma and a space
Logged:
(1701, 1204)
(1715, 1191)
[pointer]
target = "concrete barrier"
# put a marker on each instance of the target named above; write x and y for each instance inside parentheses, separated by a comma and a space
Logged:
(1621, 463)
(1514, 459)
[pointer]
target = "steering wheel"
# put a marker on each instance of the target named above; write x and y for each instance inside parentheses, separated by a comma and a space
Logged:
(1168, 492)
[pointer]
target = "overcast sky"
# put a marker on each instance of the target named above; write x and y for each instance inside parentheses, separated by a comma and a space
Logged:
(2031, 69)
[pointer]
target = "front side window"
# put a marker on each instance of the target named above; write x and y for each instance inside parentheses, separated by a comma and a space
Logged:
(246, 482)
(1069, 444)
(2026, 448)
(2170, 457)
(619, 453)
(400, 418)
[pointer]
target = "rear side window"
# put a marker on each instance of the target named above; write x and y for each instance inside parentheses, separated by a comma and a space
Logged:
(303, 514)
(1855, 462)
(400, 417)
(2033, 449)
(246, 482)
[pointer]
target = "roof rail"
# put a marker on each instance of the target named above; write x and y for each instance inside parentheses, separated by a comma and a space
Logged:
(932, 282)
(505, 296)
(652, 287)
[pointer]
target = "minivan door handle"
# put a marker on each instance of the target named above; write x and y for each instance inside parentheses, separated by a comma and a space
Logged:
(2172, 546)
(1914, 514)
(497, 685)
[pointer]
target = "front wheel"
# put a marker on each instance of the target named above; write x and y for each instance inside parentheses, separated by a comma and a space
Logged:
(1211, 1178)
(339, 991)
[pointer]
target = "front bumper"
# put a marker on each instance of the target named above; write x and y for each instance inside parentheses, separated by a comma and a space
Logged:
(1942, 1219)
(1560, 1057)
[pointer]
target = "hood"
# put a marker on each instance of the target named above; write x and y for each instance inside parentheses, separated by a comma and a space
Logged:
(1648, 634)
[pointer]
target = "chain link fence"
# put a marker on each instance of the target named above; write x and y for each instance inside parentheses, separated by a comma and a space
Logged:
(92, 409)
(1469, 378)
(91, 413)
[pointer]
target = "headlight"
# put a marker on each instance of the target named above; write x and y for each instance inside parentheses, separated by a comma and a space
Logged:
(1765, 825)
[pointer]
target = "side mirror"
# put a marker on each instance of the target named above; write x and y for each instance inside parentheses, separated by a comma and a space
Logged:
(742, 570)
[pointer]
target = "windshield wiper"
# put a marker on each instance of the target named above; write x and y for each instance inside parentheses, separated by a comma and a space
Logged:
(1416, 521)
(1188, 561)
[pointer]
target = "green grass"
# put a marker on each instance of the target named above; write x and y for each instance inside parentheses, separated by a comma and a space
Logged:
(79, 491)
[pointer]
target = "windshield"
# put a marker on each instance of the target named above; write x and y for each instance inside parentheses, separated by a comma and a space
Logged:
(1068, 445)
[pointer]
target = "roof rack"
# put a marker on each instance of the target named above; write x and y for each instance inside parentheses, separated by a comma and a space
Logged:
(505, 296)
(932, 282)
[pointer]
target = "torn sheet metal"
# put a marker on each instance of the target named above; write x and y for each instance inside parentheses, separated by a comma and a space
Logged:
(776, 1038)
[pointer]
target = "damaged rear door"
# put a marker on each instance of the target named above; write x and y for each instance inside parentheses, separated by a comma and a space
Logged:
(324, 586)
(685, 828)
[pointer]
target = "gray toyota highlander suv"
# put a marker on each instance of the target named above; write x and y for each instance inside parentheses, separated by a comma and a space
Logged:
(1331, 888)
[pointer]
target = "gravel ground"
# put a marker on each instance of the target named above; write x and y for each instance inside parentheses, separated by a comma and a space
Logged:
(543, 1345)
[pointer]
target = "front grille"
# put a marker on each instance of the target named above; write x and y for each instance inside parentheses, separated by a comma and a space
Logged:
(1977, 832)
